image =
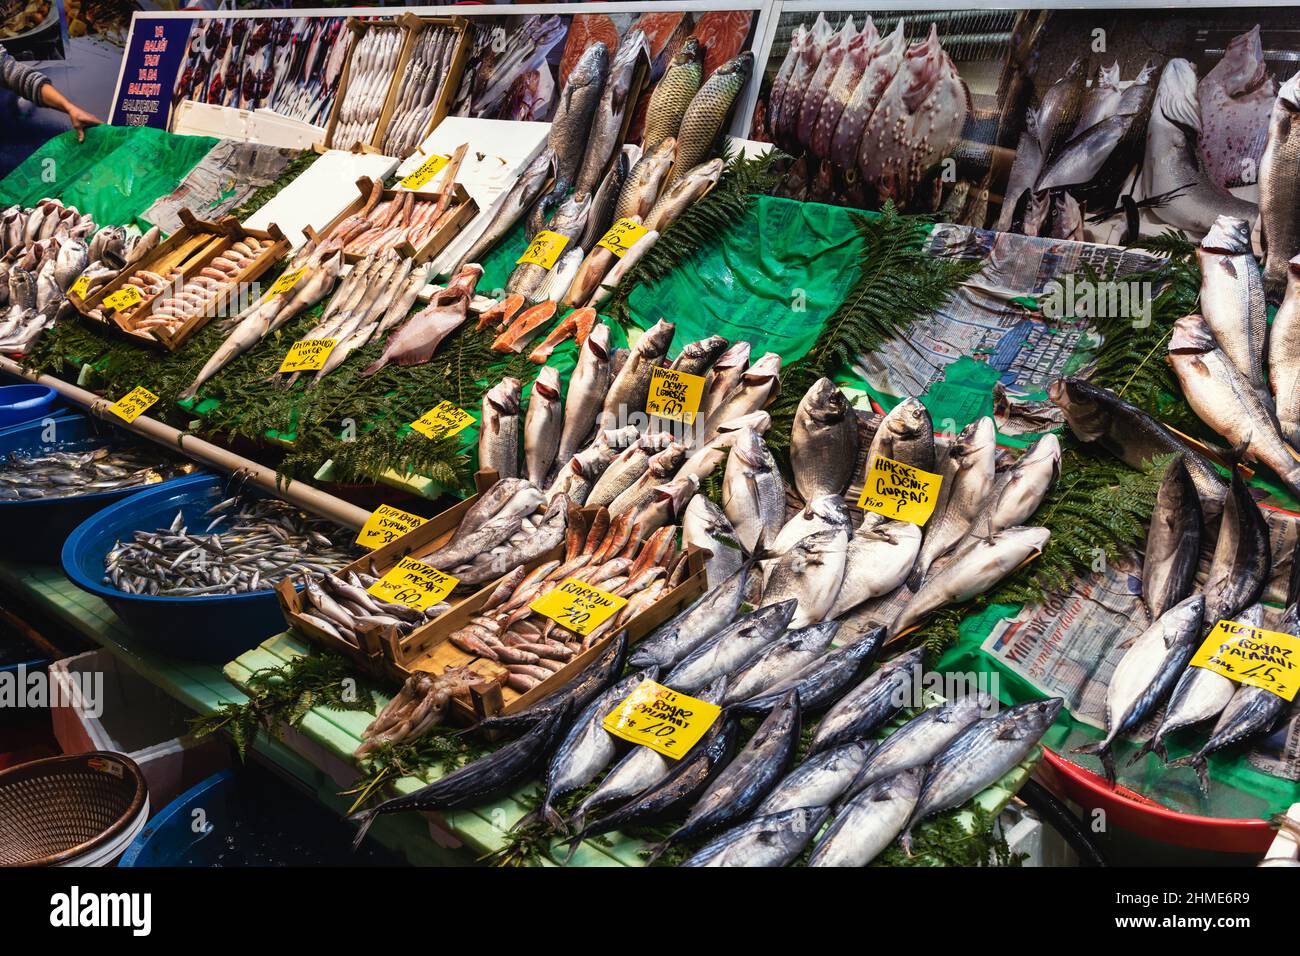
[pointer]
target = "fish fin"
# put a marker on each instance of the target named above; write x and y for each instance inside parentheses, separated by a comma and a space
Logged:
(658, 849)
(366, 818)
(574, 842)
(552, 817)
(914, 579)
(1154, 745)
(905, 839)
(1197, 763)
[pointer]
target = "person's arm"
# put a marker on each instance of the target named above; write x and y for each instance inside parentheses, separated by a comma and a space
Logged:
(32, 84)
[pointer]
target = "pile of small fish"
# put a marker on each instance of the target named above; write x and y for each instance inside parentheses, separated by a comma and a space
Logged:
(858, 101)
(611, 556)
(370, 73)
(170, 303)
(66, 474)
(651, 184)
(340, 605)
(383, 226)
(248, 545)
(420, 90)
(43, 251)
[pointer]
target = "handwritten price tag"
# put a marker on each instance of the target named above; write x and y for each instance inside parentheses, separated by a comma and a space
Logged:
(385, 525)
(900, 491)
(661, 719)
(578, 607)
(622, 236)
(1252, 655)
(442, 421)
(80, 286)
(414, 584)
(308, 355)
(674, 395)
(133, 404)
(287, 280)
(124, 298)
(426, 171)
(544, 250)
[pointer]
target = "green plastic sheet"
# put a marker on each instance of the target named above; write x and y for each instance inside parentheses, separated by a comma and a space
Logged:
(115, 175)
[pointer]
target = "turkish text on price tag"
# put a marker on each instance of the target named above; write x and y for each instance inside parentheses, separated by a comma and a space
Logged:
(385, 525)
(661, 719)
(1252, 655)
(308, 355)
(80, 286)
(900, 491)
(414, 584)
(425, 171)
(288, 279)
(124, 298)
(442, 421)
(577, 606)
(544, 250)
(674, 395)
(622, 236)
(133, 404)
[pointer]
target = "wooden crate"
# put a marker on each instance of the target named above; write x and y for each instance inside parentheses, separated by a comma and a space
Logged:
(359, 29)
(463, 210)
(188, 250)
(416, 25)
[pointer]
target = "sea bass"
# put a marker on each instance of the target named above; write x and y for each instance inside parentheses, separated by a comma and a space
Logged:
(607, 118)
(542, 425)
(1279, 192)
(498, 442)
(571, 128)
(1232, 296)
(587, 387)
(630, 388)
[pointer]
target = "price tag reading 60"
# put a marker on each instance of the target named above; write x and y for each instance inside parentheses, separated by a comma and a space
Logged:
(577, 606)
(662, 719)
(414, 584)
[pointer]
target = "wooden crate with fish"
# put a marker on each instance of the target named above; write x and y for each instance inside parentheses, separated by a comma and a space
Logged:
(369, 83)
(430, 71)
(178, 287)
(421, 228)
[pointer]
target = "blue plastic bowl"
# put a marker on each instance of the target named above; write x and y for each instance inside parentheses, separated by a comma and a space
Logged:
(214, 628)
(25, 403)
(35, 530)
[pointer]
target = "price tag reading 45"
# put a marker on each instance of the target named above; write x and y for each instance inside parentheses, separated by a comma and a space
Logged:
(385, 525)
(414, 584)
(661, 719)
(544, 250)
(442, 421)
(674, 395)
(900, 491)
(578, 607)
(308, 355)
(1252, 655)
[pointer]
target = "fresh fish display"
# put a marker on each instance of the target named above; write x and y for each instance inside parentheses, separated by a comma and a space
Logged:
(423, 84)
(882, 63)
(569, 221)
(646, 180)
(607, 118)
(857, 51)
(1173, 545)
(880, 555)
(340, 605)
(788, 655)
(683, 194)
(631, 386)
(823, 681)
(905, 435)
(827, 513)
(1232, 297)
(820, 780)
(707, 116)
(1019, 491)
(370, 73)
(706, 527)
(869, 822)
(603, 202)
(1279, 193)
(981, 756)
(767, 840)
(505, 59)
(1283, 369)
(417, 338)
(673, 94)
(542, 426)
(868, 705)
(806, 47)
(247, 544)
(828, 65)
(810, 573)
(1239, 570)
(1100, 99)
(1147, 673)
(753, 493)
(498, 442)
(570, 130)
(615, 275)
(730, 648)
(824, 441)
(64, 474)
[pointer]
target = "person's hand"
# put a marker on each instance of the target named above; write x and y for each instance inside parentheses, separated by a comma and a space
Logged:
(81, 121)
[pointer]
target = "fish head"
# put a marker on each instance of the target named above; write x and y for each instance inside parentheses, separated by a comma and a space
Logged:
(1228, 236)
(598, 342)
(909, 419)
(1014, 546)
(975, 439)
(677, 493)
(824, 403)
(774, 616)
(1176, 96)
(666, 462)
(738, 67)
(1045, 449)
(590, 69)
(1086, 407)
(504, 396)
(830, 509)
(1108, 76)
(1191, 336)
(753, 451)
(547, 384)
(1031, 719)
(766, 371)
(691, 51)
(736, 356)
(656, 340)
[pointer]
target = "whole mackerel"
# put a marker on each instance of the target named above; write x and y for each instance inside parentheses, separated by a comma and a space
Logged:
(677, 637)
(730, 648)
(1173, 545)
(879, 697)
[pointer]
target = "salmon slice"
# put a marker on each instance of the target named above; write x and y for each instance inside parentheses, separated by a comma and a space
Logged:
(579, 322)
(522, 329)
(502, 312)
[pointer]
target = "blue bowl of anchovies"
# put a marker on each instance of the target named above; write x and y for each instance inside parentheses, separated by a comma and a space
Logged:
(35, 527)
(214, 628)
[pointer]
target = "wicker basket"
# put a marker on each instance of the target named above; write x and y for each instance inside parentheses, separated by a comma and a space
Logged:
(80, 810)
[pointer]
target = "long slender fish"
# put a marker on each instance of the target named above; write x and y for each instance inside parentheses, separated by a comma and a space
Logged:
(1284, 358)
(673, 94)
(870, 821)
(1173, 545)
(1279, 191)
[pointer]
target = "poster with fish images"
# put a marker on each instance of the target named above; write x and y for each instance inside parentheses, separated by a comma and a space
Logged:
(1078, 124)
(519, 63)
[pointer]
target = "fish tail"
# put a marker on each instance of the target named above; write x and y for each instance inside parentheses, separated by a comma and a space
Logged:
(574, 843)
(1197, 762)
(373, 367)
(905, 840)
(366, 818)
(1154, 745)
(1101, 750)
(552, 817)
(657, 850)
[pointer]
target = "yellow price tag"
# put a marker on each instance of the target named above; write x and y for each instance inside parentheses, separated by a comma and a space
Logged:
(414, 584)
(133, 404)
(674, 395)
(900, 491)
(622, 236)
(308, 355)
(80, 286)
(1252, 655)
(578, 607)
(124, 298)
(426, 171)
(662, 719)
(442, 421)
(287, 280)
(385, 525)
(544, 250)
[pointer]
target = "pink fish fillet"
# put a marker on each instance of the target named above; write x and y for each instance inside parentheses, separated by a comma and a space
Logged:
(821, 81)
(416, 341)
(883, 61)
(785, 132)
(853, 64)
(918, 120)
(1236, 99)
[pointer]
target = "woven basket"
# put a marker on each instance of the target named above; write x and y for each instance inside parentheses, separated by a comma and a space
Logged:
(79, 810)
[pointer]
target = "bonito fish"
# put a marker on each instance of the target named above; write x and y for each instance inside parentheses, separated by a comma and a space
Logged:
(1173, 545)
